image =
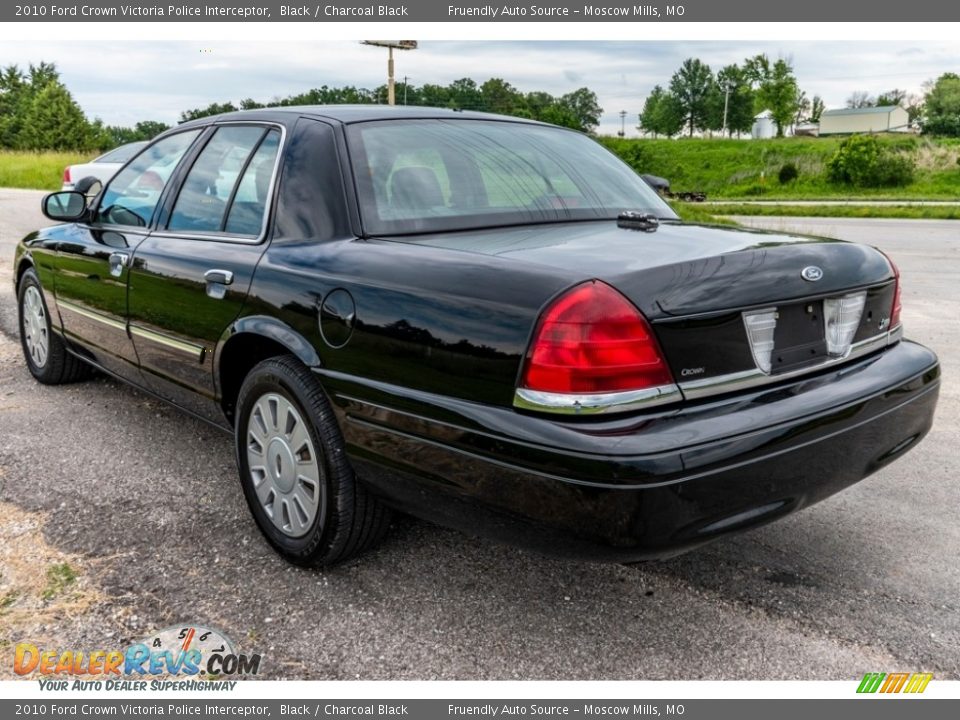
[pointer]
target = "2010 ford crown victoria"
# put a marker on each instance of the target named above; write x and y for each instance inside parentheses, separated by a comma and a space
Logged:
(487, 322)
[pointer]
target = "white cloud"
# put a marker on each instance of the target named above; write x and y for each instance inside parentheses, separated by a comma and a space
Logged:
(122, 82)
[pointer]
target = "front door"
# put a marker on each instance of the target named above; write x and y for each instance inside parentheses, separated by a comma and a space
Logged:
(189, 279)
(92, 262)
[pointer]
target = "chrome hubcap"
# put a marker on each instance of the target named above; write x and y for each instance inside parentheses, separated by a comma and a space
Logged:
(284, 466)
(35, 328)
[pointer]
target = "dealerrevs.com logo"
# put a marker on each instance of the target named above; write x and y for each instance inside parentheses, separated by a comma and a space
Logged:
(894, 682)
(191, 651)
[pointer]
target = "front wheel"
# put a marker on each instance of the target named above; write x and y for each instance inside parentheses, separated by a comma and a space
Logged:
(44, 350)
(294, 469)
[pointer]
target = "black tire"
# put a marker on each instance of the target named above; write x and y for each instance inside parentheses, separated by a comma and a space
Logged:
(59, 366)
(350, 519)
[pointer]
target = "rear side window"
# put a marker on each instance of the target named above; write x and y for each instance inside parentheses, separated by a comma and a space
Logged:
(226, 189)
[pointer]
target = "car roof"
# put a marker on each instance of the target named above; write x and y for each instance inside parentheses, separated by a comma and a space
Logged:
(352, 114)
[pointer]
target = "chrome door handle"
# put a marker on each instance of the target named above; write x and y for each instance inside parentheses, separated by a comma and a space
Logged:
(217, 281)
(118, 261)
(220, 277)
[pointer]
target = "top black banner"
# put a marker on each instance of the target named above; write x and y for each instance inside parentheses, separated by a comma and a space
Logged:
(445, 11)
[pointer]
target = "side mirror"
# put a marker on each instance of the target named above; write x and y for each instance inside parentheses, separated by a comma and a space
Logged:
(67, 206)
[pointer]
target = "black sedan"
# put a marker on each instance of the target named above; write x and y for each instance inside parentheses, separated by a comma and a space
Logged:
(487, 322)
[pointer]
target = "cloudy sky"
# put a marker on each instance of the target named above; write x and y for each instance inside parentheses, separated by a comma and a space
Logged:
(122, 82)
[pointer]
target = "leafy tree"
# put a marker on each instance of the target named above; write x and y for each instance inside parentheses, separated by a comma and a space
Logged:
(557, 114)
(739, 102)
(499, 96)
(862, 161)
(942, 106)
(538, 102)
(211, 109)
(692, 86)
(914, 106)
(817, 106)
(54, 121)
(892, 97)
(777, 89)
(13, 93)
(18, 108)
(861, 99)
(463, 94)
(583, 106)
(661, 113)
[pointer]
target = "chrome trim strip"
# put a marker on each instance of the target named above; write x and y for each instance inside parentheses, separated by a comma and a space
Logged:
(197, 351)
(587, 404)
(91, 315)
(755, 377)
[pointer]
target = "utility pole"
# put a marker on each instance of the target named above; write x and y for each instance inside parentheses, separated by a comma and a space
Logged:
(405, 82)
(726, 104)
(391, 45)
(623, 121)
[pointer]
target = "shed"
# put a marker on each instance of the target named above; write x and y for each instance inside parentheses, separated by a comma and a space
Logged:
(763, 126)
(886, 118)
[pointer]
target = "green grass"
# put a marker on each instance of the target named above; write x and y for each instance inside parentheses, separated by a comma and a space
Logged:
(913, 212)
(36, 170)
(748, 169)
(695, 213)
(59, 578)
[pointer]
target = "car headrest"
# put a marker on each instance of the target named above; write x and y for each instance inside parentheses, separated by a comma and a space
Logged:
(415, 188)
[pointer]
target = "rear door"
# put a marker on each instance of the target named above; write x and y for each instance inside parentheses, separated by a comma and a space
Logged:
(92, 262)
(189, 279)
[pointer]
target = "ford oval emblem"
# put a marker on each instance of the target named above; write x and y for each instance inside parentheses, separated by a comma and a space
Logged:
(811, 273)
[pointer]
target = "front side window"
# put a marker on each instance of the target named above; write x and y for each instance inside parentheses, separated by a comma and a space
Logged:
(442, 175)
(133, 194)
(226, 189)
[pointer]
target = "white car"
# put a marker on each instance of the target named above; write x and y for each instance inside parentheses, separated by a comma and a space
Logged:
(101, 168)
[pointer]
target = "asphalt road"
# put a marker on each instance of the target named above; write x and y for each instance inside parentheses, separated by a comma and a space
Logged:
(145, 504)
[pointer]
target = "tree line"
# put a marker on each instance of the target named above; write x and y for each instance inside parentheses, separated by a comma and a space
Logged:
(699, 100)
(579, 109)
(37, 112)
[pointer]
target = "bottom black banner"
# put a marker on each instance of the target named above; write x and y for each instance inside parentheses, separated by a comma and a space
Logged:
(874, 708)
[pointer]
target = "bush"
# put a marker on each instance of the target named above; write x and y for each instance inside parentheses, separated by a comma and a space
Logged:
(788, 172)
(862, 161)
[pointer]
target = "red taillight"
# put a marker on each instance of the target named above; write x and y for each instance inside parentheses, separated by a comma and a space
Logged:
(593, 340)
(897, 304)
(66, 174)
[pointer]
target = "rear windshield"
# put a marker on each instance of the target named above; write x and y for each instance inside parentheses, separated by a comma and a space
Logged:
(122, 153)
(421, 176)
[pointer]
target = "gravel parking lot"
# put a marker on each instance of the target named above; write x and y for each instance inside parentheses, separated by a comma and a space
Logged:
(142, 505)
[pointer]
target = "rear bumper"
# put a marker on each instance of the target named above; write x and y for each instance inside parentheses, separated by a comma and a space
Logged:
(646, 486)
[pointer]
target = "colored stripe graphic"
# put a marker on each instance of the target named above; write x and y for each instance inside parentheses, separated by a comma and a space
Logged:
(894, 682)
(870, 682)
(918, 682)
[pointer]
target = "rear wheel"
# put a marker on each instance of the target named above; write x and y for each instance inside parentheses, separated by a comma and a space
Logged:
(294, 469)
(44, 350)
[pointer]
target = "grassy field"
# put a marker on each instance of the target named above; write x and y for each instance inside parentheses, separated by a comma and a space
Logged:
(748, 169)
(36, 171)
(915, 212)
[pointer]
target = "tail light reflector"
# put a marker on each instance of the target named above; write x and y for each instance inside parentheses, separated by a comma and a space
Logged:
(593, 340)
(66, 174)
(897, 304)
